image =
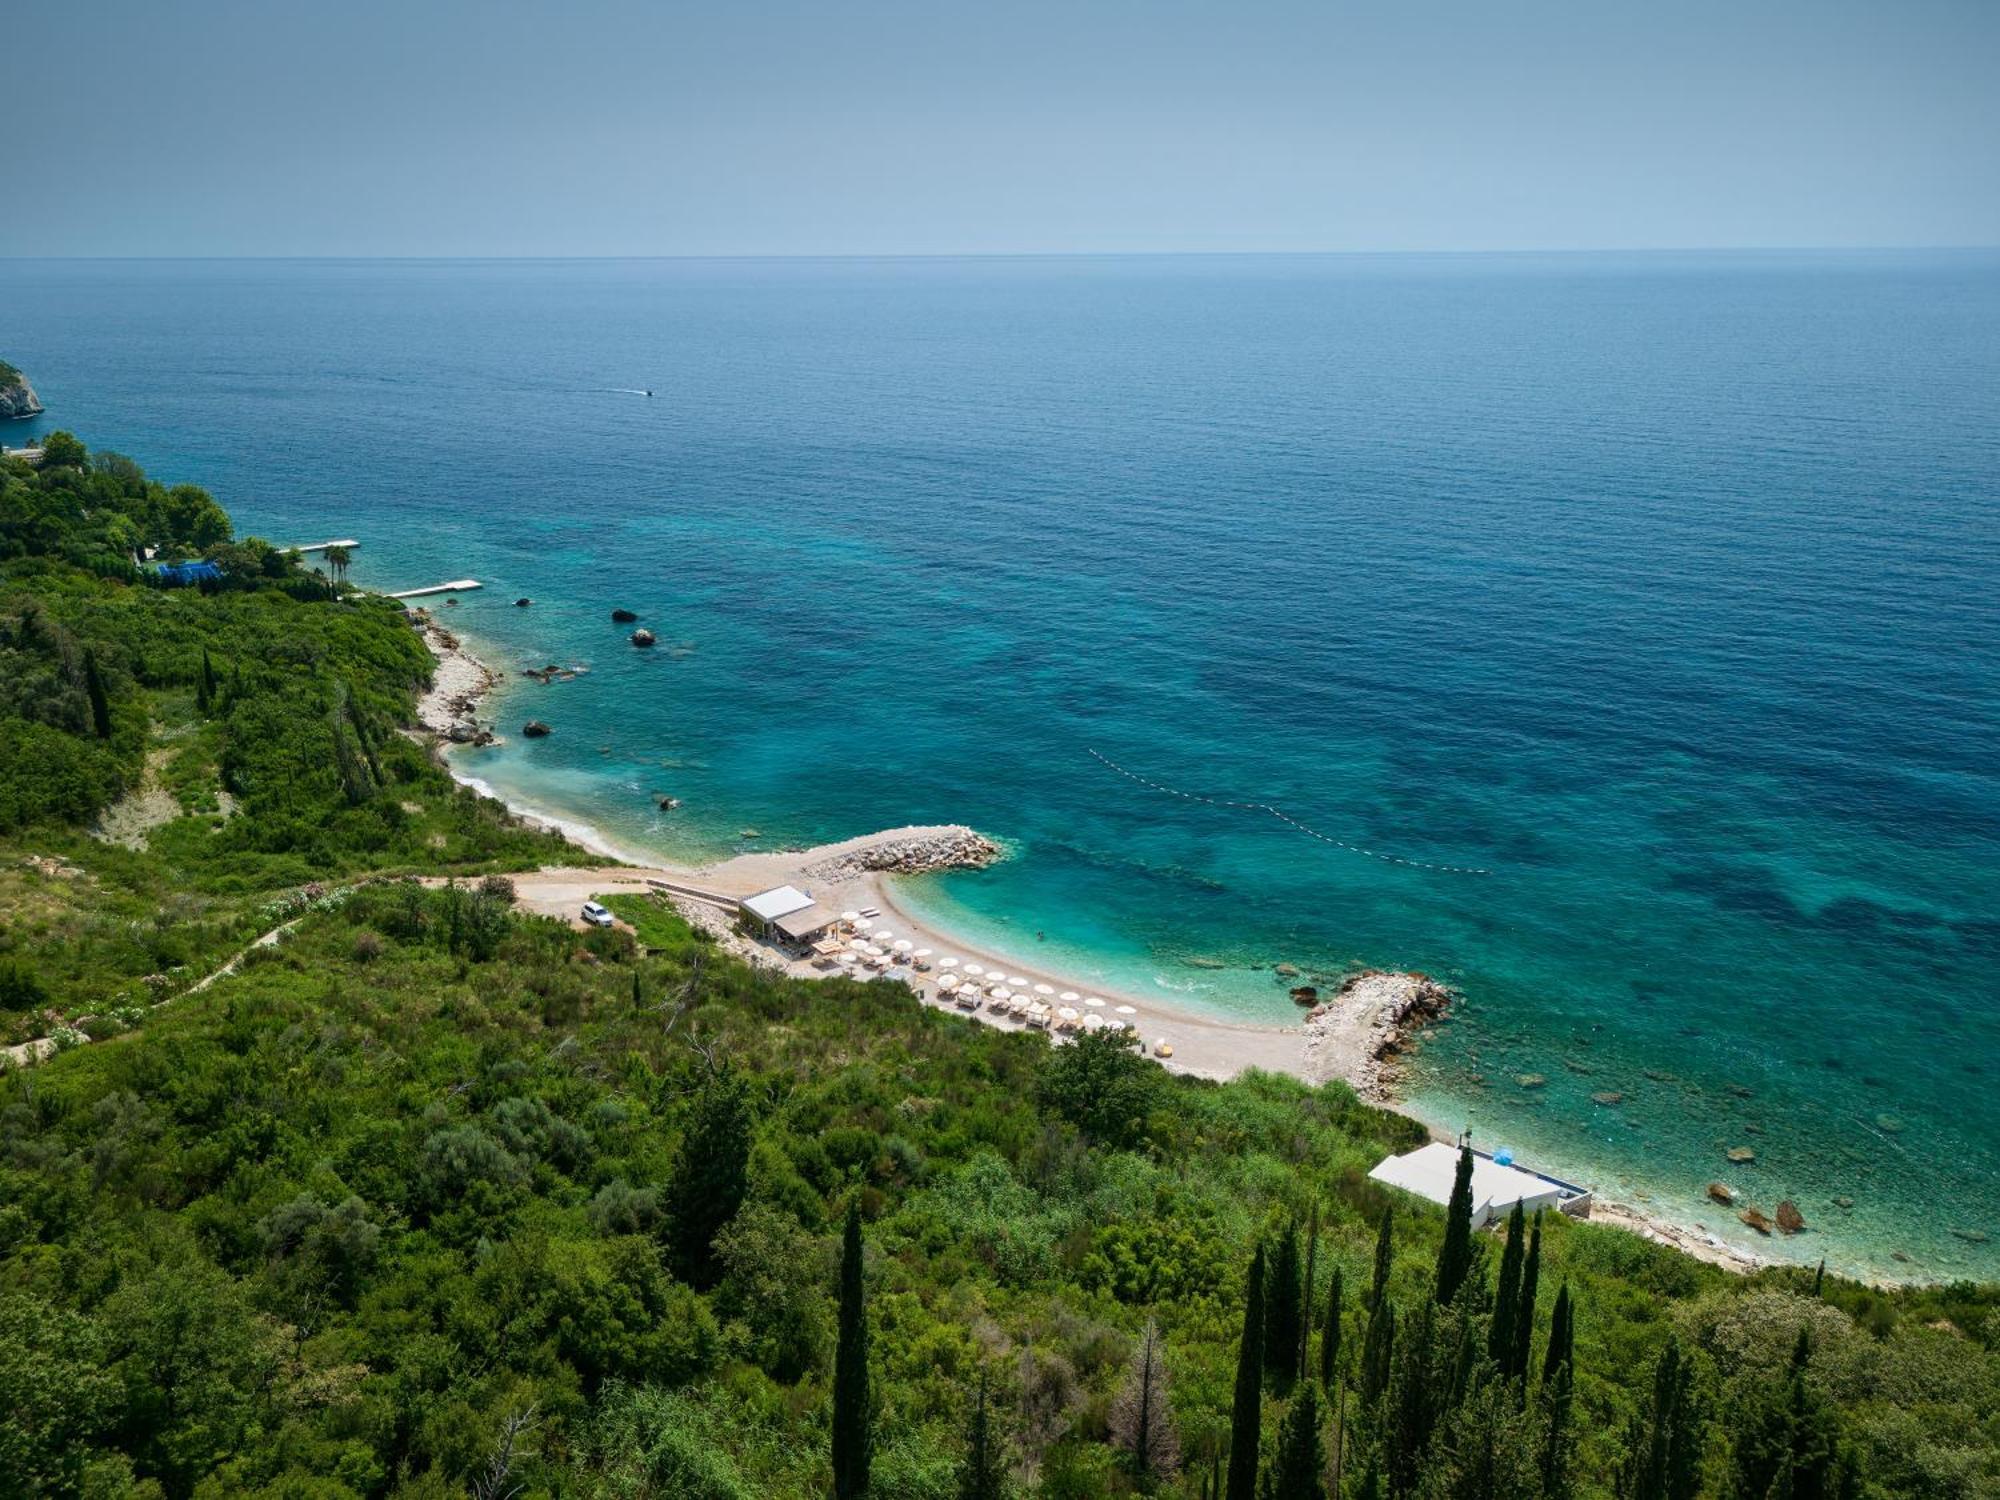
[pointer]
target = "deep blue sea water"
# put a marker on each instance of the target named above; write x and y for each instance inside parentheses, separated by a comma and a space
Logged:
(1662, 587)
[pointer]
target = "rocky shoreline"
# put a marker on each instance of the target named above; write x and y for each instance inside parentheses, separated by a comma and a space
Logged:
(450, 708)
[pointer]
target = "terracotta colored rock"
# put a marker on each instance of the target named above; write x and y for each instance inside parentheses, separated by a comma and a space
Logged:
(1530, 1080)
(1722, 1193)
(1755, 1219)
(1741, 1154)
(1608, 1096)
(1790, 1220)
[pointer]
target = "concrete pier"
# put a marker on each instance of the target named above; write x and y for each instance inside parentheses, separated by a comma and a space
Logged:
(463, 585)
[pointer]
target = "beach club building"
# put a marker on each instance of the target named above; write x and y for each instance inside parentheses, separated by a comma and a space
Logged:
(1497, 1184)
(786, 915)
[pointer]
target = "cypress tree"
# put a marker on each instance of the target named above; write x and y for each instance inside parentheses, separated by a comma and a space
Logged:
(1298, 1469)
(1663, 1442)
(1819, 1278)
(1384, 1253)
(1557, 1396)
(1561, 1322)
(1506, 1295)
(1246, 1418)
(851, 1438)
(1142, 1418)
(1412, 1406)
(1377, 1350)
(207, 679)
(711, 1175)
(1329, 1334)
(637, 999)
(1282, 1330)
(1306, 1296)
(981, 1475)
(1455, 1250)
(1524, 1307)
(100, 702)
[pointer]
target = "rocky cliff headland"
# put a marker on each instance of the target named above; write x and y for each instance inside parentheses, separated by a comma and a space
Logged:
(17, 397)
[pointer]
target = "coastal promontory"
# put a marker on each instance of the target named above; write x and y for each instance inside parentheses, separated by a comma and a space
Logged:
(17, 397)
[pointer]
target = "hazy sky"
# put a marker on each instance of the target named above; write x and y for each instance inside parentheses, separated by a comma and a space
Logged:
(645, 127)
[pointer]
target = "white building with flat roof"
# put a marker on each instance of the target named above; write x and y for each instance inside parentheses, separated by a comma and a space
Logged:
(1429, 1172)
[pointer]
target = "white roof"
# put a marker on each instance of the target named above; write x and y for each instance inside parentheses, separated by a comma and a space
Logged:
(768, 906)
(1429, 1172)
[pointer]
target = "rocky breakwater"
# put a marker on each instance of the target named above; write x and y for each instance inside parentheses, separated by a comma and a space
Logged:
(1356, 1035)
(17, 397)
(955, 848)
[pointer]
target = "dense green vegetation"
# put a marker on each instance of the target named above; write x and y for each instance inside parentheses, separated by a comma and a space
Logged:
(430, 1198)
(257, 718)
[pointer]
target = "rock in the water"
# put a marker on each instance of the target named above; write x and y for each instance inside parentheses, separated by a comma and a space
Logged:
(1305, 994)
(534, 729)
(1889, 1123)
(668, 804)
(1790, 1220)
(1530, 1080)
(1754, 1217)
(1741, 1154)
(1722, 1193)
(622, 617)
(642, 637)
(1843, 1201)
(1609, 1096)
(1287, 971)
(1971, 1236)
(522, 603)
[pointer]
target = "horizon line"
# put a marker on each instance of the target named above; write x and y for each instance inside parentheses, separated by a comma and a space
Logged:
(859, 255)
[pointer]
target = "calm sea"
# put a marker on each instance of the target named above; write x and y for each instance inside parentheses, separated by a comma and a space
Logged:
(1661, 588)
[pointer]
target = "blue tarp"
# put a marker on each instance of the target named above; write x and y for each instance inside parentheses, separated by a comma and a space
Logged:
(180, 575)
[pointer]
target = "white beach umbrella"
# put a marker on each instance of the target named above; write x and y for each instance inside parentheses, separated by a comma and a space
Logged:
(1128, 1010)
(949, 982)
(1067, 1013)
(1092, 1001)
(882, 935)
(921, 953)
(850, 916)
(878, 961)
(1045, 989)
(1068, 996)
(947, 963)
(974, 969)
(1093, 1023)
(1000, 992)
(904, 945)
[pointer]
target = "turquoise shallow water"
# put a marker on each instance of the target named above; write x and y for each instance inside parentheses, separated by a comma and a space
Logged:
(1661, 587)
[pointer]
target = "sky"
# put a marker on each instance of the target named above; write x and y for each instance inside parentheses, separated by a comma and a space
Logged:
(863, 127)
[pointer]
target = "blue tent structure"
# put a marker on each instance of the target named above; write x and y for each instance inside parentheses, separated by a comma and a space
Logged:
(184, 575)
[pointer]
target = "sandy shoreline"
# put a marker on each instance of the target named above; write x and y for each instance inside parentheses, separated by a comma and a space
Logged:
(1352, 1036)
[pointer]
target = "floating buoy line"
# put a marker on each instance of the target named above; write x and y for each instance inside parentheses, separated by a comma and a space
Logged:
(1283, 817)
